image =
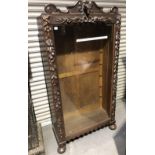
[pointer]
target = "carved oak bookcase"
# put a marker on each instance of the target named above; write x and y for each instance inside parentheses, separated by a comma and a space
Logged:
(83, 48)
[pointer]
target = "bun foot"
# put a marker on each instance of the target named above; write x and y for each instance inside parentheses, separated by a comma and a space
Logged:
(61, 149)
(113, 127)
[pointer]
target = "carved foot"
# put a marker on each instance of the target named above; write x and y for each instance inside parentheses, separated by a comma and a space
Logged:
(113, 127)
(61, 149)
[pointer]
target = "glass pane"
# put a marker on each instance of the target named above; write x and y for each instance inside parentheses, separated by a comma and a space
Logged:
(82, 61)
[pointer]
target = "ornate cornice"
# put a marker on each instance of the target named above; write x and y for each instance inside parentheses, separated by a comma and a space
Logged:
(83, 11)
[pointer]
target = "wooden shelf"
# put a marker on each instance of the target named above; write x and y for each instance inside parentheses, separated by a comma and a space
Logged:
(73, 73)
(81, 79)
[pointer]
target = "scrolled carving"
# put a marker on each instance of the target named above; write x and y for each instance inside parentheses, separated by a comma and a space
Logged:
(114, 10)
(51, 8)
(85, 7)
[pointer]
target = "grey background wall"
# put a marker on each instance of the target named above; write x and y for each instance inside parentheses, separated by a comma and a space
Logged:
(38, 86)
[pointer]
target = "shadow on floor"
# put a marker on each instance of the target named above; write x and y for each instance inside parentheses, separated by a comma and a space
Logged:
(120, 140)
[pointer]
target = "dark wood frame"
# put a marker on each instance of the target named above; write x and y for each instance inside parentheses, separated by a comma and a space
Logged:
(80, 13)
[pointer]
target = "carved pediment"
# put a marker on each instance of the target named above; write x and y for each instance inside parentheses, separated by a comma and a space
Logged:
(83, 7)
(82, 11)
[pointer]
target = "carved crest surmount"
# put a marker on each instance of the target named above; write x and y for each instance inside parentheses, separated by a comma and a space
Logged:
(82, 12)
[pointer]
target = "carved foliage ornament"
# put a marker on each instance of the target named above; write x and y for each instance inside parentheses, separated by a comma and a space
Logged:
(80, 13)
(56, 108)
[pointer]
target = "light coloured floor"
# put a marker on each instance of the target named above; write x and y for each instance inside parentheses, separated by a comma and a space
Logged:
(101, 142)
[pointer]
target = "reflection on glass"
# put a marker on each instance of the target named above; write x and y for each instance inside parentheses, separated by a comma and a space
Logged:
(82, 60)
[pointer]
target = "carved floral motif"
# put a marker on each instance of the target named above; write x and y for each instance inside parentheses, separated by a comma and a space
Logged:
(66, 20)
(56, 108)
(115, 66)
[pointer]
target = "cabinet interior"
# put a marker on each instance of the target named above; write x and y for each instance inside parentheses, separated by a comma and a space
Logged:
(84, 70)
